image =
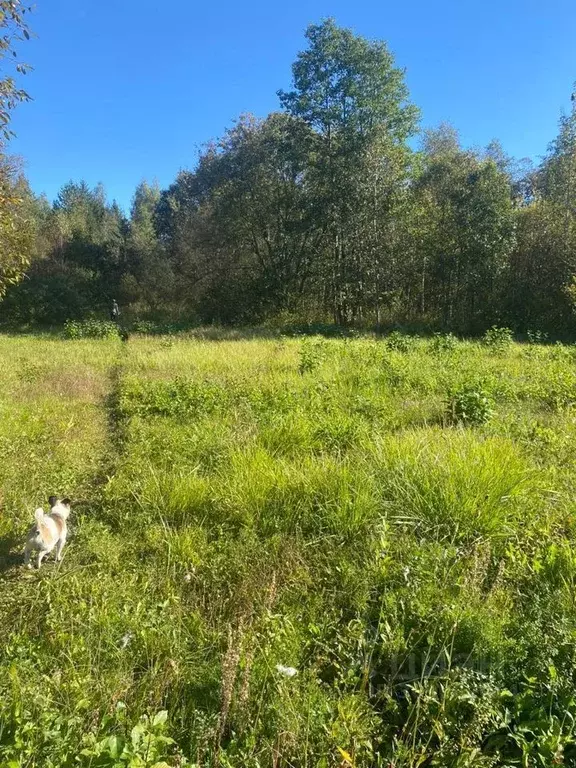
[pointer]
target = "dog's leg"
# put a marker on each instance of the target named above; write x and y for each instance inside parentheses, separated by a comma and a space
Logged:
(59, 548)
(41, 556)
(27, 562)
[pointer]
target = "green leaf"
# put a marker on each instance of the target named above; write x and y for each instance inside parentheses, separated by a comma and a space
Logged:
(115, 746)
(160, 718)
(136, 735)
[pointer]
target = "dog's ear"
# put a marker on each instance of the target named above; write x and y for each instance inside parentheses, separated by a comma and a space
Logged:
(53, 500)
(66, 502)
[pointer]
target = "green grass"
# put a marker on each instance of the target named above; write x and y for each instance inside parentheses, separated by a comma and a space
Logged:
(243, 503)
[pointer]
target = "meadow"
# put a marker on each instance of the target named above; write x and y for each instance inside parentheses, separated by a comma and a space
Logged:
(289, 551)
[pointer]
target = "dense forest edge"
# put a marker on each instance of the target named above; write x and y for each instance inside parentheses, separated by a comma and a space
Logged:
(336, 210)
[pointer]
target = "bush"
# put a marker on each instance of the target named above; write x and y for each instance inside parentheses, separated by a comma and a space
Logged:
(399, 342)
(312, 354)
(151, 328)
(443, 342)
(179, 397)
(498, 338)
(90, 329)
(145, 327)
(537, 337)
(470, 404)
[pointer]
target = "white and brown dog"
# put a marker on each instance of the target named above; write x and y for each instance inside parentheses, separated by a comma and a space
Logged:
(49, 532)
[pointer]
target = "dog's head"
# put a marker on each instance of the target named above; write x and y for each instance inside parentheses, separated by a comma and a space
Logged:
(59, 506)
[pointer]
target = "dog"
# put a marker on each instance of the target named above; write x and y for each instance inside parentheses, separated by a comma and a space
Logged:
(49, 532)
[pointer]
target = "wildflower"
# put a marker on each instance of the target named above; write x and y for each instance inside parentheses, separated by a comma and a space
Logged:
(286, 671)
(126, 639)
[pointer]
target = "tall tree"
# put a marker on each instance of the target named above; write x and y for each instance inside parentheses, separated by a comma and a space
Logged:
(348, 91)
(15, 234)
(242, 227)
(149, 276)
(467, 232)
(541, 291)
(16, 225)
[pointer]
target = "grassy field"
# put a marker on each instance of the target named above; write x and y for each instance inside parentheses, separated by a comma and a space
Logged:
(393, 519)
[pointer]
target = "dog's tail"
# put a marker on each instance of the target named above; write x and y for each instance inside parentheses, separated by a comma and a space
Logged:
(39, 515)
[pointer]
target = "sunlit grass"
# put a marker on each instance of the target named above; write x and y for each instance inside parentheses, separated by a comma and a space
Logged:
(243, 503)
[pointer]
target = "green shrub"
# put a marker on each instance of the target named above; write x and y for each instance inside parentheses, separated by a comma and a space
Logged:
(177, 397)
(145, 327)
(559, 391)
(537, 337)
(312, 353)
(399, 342)
(498, 338)
(470, 404)
(443, 342)
(90, 329)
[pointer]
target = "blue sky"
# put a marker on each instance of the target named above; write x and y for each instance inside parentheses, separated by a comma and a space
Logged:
(130, 89)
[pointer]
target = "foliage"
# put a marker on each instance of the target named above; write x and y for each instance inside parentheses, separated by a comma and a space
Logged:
(497, 338)
(147, 746)
(311, 355)
(14, 26)
(16, 228)
(399, 342)
(319, 216)
(16, 232)
(443, 342)
(537, 337)
(90, 329)
(470, 404)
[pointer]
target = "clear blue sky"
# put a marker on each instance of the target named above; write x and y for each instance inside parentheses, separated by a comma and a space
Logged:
(130, 89)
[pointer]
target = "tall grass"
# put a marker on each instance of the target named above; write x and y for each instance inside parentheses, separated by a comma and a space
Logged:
(285, 553)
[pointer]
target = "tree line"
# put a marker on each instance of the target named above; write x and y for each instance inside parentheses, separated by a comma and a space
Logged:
(322, 211)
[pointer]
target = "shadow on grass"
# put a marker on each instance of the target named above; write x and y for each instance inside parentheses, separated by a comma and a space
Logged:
(130, 328)
(202, 333)
(11, 553)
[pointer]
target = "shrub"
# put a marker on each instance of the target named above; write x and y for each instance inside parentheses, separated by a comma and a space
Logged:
(443, 342)
(537, 337)
(179, 397)
(498, 338)
(145, 327)
(399, 342)
(90, 329)
(559, 393)
(312, 354)
(470, 404)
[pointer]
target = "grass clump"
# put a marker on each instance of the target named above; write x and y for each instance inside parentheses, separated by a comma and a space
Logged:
(455, 487)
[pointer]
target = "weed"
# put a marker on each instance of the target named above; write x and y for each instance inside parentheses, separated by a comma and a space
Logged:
(90, 329)
(399, 342)
(443, 342)
(537, 337)
(312, 354)
(470, 404)
(498, 339)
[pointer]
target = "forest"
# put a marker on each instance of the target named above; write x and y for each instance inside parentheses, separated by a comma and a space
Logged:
(336, 208)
